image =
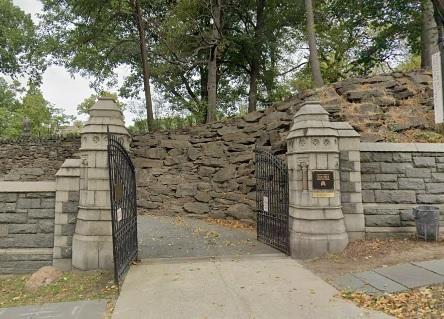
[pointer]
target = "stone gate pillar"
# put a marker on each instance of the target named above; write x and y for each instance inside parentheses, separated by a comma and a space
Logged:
(92, 241)
(316, 219)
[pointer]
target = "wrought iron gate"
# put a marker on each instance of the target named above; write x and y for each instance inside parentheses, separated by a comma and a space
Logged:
(122, 182)
(272, 200)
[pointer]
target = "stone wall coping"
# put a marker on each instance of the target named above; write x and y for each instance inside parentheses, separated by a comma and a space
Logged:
(403, 147)
(27, 187)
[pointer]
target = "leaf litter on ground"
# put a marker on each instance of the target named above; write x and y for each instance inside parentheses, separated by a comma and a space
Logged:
(425, 302)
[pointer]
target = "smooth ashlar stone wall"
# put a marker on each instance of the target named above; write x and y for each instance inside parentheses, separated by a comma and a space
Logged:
(395, 179)
(26, 226)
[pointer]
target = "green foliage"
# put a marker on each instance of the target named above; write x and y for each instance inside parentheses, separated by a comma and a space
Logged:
(45, 119)
(355, 37)
(19, 50)
(8, 108)
(412, 63)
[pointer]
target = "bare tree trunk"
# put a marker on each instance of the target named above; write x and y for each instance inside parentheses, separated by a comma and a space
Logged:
(255, 62)
(212, 62)
(145, 66)
(429, 35)
(311, 34)
(252, 94)
(203, 91)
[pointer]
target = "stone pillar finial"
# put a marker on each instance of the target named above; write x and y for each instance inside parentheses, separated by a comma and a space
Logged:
(311, 110)
(316, 219)
(92, 242)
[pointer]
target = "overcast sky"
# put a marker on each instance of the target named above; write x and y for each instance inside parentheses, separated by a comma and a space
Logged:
(59, 87)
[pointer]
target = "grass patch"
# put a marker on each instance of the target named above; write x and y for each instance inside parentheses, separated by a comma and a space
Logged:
(71, 286)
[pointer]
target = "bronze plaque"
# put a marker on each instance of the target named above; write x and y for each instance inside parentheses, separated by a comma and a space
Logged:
(118, 191)
(323, 180)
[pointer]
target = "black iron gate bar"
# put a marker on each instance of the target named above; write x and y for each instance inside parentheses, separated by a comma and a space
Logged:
(272, 186)
(123, 207)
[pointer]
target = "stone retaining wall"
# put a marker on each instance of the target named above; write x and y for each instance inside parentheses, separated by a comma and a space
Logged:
(208, 170)
(26, 226)
(35, 160)
(396, 178)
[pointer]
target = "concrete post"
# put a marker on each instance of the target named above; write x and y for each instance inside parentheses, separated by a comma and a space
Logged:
(92, 241)
(316, 219)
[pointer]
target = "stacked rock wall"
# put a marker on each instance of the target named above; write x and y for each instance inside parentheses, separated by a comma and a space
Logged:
(395, 179)
(36, 159)
(207, 170)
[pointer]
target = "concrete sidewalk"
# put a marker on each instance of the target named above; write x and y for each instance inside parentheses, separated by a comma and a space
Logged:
(90, 309)
(268, 287)
(396, 278)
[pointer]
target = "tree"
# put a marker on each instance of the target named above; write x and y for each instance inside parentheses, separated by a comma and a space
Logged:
(214, 41)
(8, 108)
(256, 54)
(19, 53)
(429, 34)
(45, 119)
(144, 59)
(96, 37)
(358, 37)
(311, 35)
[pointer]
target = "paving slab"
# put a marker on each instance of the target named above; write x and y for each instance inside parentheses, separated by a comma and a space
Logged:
(380, 282)
(437, 266)
(231, 288)
(351, 283)
(410, 275)
(91, 309)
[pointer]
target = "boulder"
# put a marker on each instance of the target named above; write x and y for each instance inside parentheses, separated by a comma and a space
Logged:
(156, 153)
(242, 158)
(211, 162)
(236, 147)
(170, 144)
(275, 117)
(196, 208)
(147, 204)
(367, 108)
(224, 174)
(215, 149)
(186, 189)
(253, 116)
(193, 153)
(235, 137)
(43, 277)
(203, 197)
(205, 171)
(240, 211)
(216, 214)
(146, 163)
